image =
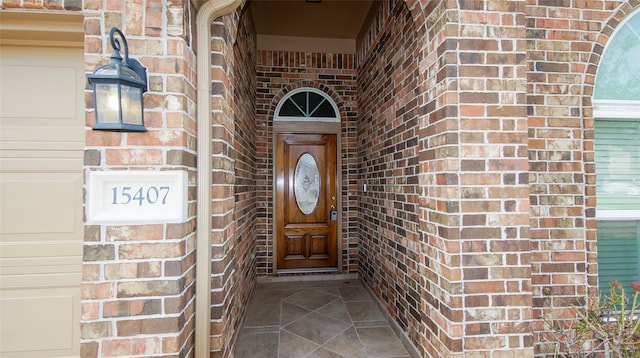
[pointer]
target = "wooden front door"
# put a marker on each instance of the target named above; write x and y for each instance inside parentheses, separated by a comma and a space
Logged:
(306, 206)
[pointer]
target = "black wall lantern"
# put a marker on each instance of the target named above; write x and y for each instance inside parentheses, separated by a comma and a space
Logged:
(117, 90)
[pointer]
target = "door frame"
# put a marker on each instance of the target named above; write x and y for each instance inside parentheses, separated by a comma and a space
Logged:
(307, 127)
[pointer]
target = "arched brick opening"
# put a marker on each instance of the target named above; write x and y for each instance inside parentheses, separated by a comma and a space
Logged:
(437, 302)
(337, 99)
(588, 87)
(278, 73)
(419, 67)
(559, 95)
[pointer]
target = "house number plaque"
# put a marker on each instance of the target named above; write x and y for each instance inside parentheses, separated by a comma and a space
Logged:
(136, 197)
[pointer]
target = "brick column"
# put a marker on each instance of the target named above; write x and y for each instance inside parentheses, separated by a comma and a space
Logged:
(233, 190)
(475, 203)
(222, 191)
(138, 282)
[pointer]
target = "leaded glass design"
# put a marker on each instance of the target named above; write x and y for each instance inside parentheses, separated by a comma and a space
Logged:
(307, 183)
(307, 104)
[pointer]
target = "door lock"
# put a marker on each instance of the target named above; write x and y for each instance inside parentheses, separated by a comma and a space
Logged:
(333, 214)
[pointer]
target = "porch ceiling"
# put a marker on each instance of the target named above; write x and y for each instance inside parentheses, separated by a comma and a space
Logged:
(333, 19)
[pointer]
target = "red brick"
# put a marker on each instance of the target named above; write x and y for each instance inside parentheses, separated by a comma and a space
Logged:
(130, 346)
(133, 156)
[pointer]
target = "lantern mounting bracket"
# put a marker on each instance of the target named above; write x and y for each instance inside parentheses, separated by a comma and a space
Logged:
(132, 63)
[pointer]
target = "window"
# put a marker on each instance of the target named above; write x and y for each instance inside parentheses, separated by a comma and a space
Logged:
(617, 155)
(307, 104)
(617, 151)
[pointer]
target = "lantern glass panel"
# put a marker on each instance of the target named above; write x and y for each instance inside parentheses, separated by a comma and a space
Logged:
(107, 106)
(132, 105)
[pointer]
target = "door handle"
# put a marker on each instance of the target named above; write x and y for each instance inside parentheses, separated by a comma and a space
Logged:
(333, 214)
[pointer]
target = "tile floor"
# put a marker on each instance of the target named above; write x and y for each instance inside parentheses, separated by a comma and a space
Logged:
(315, 319)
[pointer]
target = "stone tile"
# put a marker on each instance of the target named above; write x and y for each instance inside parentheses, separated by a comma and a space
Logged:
(334, 291)
(381, 323)
(292, 346)
(354, 282)
(347, 344)
(311, 299)
(262, 329)
(291, 313)
(266, 297)
(281, 286)
(262, 315)
(317, 328)
(324, 353)
(364, 311)
(336, 309)
(257, 345)
(316, 319)
(291, 292)
(328, 283)
(381, 342)
(354, 293)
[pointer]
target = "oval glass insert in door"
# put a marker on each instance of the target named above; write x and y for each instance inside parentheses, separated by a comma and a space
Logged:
(307, 183)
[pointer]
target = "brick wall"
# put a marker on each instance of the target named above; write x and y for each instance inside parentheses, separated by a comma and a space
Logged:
(494, 192)
(277, 73)
(388, 165)
(244, 154)
(138, 280)
(565, 41)
(233, 165)
(71, 5)
(470, 245)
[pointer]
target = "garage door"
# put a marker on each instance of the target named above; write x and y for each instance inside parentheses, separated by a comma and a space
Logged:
(41, 150)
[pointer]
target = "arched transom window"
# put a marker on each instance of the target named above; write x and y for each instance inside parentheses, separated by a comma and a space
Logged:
(307, 104)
